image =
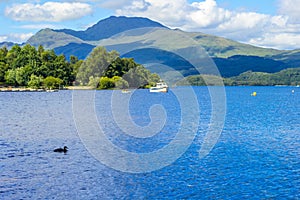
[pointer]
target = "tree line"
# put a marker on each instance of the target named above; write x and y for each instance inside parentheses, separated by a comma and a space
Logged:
(32, 67)
(28, 66)
(289, 76)
(106, 70)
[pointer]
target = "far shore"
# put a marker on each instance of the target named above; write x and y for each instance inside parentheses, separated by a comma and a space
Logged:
(79, 88)
(26, 89)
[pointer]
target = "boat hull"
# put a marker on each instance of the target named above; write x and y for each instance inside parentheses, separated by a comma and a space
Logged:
(154, 89)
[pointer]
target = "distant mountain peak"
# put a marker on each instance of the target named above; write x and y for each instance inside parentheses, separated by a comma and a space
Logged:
(110, 26)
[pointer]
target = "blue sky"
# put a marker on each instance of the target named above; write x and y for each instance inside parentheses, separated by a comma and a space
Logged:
(267, 23)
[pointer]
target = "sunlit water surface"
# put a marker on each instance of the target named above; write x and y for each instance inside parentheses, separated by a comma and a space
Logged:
(257, 155)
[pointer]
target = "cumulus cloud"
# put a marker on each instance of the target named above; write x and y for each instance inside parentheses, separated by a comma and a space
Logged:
(16, 37)
(204, 16)
(39, 26)
(114, 4)
(208, 17)
(49, 11)
(290, 8)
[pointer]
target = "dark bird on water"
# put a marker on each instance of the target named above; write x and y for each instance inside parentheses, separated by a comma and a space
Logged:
(60, 150)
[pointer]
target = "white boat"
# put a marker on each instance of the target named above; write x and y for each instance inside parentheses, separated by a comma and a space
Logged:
(52, 90)
(160, 87)
(125, 91)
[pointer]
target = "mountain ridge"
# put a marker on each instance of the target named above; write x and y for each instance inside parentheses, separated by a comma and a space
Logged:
(110, 26)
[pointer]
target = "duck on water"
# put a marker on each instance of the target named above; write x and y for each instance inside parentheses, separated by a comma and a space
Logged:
(61, 150)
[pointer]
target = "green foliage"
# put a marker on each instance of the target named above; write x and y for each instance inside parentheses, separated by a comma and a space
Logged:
(31, 67)
(137, 77)
(3, 69)
(120, 83)
(19, 63)
(202, 80)
(95, 64)
(52, 83)
(106, 83)
(10, 77)
(35, 82)
(94, 81)
(119, 67)
(3, 53)
(153, 79)
(284, 77)
(23, 75)
(114, 82)
(115, 72)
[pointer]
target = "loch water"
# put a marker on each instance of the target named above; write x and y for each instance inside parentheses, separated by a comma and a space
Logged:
(257, 155)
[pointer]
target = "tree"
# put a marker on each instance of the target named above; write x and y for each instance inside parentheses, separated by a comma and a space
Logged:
(35, 82)
(10, 77)
(94, 81)
(3, 69)
(119, 67)
(120, 83)
(106, 83)
(153, 79)
(137, 77)
(23, 75)
(3, 53)
(12, 55)
(52, 83)
(96, 64)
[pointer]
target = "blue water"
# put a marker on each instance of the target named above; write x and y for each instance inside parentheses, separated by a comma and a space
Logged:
(256, 157)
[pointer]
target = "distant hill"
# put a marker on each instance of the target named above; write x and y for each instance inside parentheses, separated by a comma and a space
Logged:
(148, 41)
(79, 49)
(8, 44)
(51, 39)
(235, 65)
(291, 58)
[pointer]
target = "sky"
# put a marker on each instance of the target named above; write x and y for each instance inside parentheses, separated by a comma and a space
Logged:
(265, 23)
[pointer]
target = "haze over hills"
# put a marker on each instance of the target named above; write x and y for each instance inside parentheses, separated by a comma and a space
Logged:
(148, 41)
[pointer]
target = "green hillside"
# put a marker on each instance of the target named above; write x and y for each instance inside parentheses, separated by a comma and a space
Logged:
(51, 39)
(223, 48)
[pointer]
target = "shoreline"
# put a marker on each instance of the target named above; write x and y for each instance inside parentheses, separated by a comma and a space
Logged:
(24, 89)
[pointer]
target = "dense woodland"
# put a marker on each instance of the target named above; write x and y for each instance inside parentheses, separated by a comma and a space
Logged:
(105, 70)
(32, 67)
(35, 68)
(39, 68)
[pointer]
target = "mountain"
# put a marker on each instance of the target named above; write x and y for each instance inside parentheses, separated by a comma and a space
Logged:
(149, 42)
(81, 50)
(8, 44)
(51, 39)
(110, 26)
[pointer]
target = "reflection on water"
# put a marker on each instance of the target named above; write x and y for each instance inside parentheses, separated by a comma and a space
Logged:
(257, 155)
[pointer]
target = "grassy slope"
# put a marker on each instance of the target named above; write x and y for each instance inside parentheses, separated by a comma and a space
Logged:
(224, 48)
(51, 39)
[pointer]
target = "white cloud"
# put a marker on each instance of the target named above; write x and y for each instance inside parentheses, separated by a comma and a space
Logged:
(3, 38)
(291, 40)
(278, 31)
(114, 4)
(171, 13)
(290, 8)
(39, 26)
(16, 37)
(49, 11)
